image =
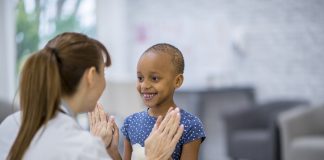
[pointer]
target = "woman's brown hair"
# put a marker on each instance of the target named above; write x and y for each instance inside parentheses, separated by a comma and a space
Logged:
(49, 74)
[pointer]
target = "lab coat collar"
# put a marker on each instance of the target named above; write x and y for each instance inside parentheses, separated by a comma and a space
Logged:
(67, 110)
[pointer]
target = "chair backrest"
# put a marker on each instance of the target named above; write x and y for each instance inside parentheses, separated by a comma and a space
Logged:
(6, 109)
(315, 118)
(225, 101)
(271, 110)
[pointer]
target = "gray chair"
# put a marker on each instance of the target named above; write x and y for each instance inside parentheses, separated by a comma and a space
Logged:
(253, 133)
(6, 109)
(302, 132)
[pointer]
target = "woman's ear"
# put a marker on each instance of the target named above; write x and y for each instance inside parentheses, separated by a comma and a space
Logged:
(179, 80)
(90, 76)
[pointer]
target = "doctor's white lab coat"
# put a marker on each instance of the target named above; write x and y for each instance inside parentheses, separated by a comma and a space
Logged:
(61, 138)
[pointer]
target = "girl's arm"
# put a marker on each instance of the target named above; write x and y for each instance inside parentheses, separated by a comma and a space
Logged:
(127, 150)
(190, 150)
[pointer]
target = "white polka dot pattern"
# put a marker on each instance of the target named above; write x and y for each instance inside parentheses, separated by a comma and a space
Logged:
(138, 126)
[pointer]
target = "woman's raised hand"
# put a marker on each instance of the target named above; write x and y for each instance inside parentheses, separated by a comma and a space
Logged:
(102, 125)
(164, 136)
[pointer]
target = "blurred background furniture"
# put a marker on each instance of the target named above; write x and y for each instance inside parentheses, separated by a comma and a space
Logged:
(302, 132)
(6, 109)
(253, 133)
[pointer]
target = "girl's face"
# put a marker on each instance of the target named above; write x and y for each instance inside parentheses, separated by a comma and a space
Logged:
(156, 79)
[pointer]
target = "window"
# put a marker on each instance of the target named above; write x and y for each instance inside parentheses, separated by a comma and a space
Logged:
(37, 21)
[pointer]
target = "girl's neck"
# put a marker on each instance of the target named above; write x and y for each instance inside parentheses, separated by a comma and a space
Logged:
(160, 110)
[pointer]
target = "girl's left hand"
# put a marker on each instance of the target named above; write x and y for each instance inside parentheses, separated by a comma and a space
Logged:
(112, 149)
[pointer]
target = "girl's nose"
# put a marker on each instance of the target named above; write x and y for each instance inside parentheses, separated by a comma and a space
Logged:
(145, 85)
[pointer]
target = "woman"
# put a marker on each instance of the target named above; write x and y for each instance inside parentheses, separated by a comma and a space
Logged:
(58, 82)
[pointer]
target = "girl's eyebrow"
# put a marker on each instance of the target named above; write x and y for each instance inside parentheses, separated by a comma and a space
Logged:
(154, 73)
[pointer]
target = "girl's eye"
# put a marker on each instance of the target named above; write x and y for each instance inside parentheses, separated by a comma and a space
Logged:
(140, 79)
(155, 78)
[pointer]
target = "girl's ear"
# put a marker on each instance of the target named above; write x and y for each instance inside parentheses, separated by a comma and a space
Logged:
(90, 76)
(179, 80)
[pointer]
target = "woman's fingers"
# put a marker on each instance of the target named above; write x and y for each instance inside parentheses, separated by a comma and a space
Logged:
(102, 115)
(170, 120)
(165, 120)
(174, 120)
(170, 109)
(110, 124)
(90, 120)
(157, 146)
(96, 114)
(157, 123)
(177, 135)
(174, 125)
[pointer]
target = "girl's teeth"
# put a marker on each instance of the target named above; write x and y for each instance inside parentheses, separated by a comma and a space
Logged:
(148, 96)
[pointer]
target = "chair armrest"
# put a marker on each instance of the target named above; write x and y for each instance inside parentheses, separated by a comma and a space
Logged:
(292, 123)
(302, 121)
(299, 122)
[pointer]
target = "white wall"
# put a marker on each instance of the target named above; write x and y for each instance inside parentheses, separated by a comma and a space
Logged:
(275, 46)
(112, 31)
(7, 50)
(120, 96)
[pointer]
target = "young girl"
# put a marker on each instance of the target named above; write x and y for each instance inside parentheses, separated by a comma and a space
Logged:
(160, 72)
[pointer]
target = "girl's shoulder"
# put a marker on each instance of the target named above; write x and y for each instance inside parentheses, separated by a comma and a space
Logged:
(187, 116)
(193, 127)
(142, 116)
(137, 115)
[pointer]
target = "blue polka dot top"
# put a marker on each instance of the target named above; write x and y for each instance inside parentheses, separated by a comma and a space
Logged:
(137, 127)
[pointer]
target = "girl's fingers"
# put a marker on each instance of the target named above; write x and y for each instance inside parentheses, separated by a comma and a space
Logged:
(116, 129)
(115, 134)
